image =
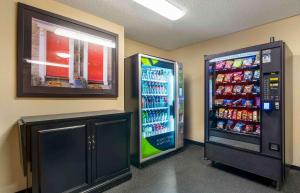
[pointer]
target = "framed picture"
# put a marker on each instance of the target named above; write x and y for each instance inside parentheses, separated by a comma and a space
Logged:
(61, 57)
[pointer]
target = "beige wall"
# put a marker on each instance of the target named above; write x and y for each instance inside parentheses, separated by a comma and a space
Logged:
(287, 30)
(132, 47)
(12, 108)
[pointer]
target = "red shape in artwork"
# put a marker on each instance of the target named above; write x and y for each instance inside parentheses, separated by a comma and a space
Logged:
(95, 63)
(57, 44)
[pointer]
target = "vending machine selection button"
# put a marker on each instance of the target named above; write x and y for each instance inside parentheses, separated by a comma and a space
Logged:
(277, 105)
(266, 106)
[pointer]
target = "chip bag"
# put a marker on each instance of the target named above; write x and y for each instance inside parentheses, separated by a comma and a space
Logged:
(239, 115)
(229, 125)
(234, 114)
(220, 90)
(248, 75)
(228, 78)
(220, 125)
(220, 78)
(221, 112)
(256, 75)
(237, 77)
(238, 127)
(244, 115)
(237, 63)
(220, 65)
(219, 101)
(249, 129)
(228, 64)
(248, 89)
(228, 90)
(248, 61)
(237, 89)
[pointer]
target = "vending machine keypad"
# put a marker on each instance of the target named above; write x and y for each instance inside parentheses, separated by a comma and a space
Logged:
(271, 91)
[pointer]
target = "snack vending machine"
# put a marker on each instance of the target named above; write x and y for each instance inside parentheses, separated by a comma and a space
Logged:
(248, 109)
(151, 94)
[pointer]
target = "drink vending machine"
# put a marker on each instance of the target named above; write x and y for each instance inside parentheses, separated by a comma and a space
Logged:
(154, 93)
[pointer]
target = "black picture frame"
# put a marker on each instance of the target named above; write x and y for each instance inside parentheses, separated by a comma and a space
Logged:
(24, 45)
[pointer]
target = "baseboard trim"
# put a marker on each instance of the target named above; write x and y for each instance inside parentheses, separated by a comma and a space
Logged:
(24, 191)
(293, 167)
(189, 141)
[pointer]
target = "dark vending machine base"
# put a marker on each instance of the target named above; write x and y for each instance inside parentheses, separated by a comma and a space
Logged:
(251, 162)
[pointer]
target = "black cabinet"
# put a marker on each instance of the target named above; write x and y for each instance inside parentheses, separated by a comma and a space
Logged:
(76, 152)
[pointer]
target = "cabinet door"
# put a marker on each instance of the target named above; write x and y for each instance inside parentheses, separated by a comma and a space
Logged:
(111, 150)
(64, 158)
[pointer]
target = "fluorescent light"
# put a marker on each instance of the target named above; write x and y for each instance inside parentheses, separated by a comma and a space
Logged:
(162, 7)
(63, 55)
(84, 37)
(47, 63)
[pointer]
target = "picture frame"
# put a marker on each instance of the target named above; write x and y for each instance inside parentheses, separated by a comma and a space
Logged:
(61, 57)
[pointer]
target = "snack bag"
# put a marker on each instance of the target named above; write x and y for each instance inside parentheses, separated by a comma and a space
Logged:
(249, 129)
(219, 101)
(234, 114)
(227, 102)
(220, 78)
(228, 78)
(256, 89)
(239, 115)
(228, 90)
(237, 102)
(225, 114)
(229, 115)
(244, 115)
(237, 63)
(228, 64)
(238, 127)
(229, 125)
(221, 112)
(250, 116)
(248, 89)
(220, 90)
(237, 77)
(257, 129)
(256, 75)
(255, 116)
(248, 61)
(248, 103)
(248, 75)
(220, 65)
(220, 125)
(257, 102)
(237, 89)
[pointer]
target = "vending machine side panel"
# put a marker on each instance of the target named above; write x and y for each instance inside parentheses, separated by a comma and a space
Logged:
(179, 106)
(288, 100)
(131, 104)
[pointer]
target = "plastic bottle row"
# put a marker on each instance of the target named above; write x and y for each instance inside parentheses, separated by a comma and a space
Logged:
(156, 129)
(154, 116)
(154, 102)
(155, 74)
(154, 88)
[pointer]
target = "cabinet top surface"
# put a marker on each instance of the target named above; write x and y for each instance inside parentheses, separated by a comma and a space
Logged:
(44, 118)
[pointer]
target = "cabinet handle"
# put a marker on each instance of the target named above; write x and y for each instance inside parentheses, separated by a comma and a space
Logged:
(62, 128)
(111, 122)
(93, 142)
(89, 142)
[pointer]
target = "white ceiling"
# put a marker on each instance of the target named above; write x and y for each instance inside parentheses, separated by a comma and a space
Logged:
(204, 19)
